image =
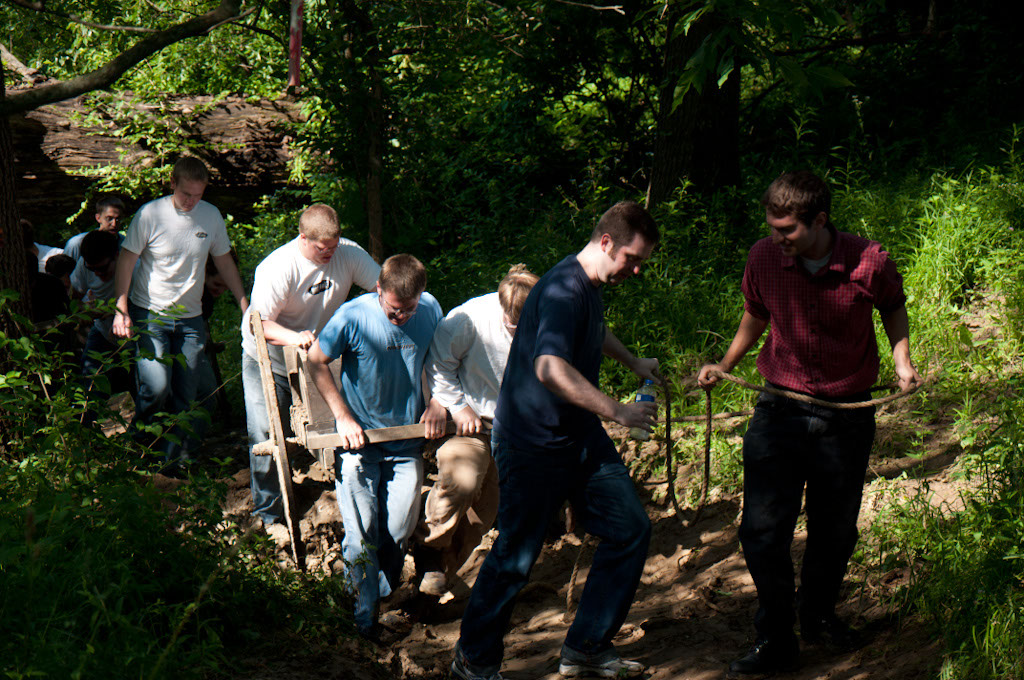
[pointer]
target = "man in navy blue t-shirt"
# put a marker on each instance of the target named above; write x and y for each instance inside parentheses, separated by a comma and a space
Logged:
(550, 447)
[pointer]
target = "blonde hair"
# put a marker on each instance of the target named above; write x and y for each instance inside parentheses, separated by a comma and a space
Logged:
(403, 275)
(319, 222)
(514, 289)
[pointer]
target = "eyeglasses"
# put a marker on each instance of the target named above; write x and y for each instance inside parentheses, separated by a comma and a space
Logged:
(398, 311)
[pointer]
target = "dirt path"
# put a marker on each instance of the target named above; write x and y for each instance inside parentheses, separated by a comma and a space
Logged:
(693, 610)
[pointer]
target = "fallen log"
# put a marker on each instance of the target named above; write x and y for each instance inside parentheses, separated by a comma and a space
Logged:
(246, 146)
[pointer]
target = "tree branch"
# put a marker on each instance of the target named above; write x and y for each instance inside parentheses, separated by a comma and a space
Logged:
(30, 74)
(613, 8)
(74, 18)
(252, 26)
(107, 74)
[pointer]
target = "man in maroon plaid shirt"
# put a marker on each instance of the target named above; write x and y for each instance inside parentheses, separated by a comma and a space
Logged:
(816, 287)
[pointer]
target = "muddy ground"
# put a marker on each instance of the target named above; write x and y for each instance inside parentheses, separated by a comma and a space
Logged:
(693, 610)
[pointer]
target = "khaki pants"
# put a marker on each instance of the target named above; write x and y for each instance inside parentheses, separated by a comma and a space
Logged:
(462, 505)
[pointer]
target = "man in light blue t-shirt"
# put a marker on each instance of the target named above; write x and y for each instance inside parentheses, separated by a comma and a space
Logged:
(382, 339)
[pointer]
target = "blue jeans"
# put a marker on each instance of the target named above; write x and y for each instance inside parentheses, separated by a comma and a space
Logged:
(789, 445)
(533, 486)
(263, 481)
(379, 498)
(167, 385)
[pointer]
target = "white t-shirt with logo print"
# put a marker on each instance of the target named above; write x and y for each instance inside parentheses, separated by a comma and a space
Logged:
(302, 295)
(172, 247)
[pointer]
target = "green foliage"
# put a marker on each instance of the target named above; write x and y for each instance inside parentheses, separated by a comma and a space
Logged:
(239, 57)
(756, 33)
(104, 573)
(150, 122)
(966, 564)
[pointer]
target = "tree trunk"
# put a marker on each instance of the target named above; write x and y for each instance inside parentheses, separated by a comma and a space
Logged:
(13, 274)
(375, 143)
(699, 140)
(368, 105)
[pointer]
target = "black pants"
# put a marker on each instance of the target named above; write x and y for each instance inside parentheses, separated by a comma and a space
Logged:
(790, 445)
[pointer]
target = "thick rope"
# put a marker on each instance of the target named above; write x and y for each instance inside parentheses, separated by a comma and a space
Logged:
(706, 478)
(807, 399)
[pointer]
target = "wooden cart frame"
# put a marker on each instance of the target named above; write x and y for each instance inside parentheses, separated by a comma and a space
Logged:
(312, 426)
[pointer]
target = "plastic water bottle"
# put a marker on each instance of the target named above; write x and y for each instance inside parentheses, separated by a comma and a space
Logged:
(645, 393)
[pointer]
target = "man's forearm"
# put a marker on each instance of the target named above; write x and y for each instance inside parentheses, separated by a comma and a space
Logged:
(613, 348)
(897, 329)
(324, 382)
(226, 267)
(897, 326)
(561, 378)
(277, 334)
(750, 329)
(445, 387)
(123, 278)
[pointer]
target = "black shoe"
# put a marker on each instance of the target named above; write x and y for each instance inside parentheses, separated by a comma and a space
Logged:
(830, 631)
(768, 655)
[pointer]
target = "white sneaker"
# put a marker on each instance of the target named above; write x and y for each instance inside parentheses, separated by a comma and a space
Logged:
(606, 665)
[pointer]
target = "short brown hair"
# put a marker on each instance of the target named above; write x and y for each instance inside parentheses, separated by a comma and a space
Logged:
(514, 289)
(623, 221)
(319, 222)
(801, 194)
(191, 169)
(110, 201)
(403, 275)
(59, 265)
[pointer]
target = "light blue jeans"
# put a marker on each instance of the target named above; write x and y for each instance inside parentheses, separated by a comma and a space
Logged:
(379, 498)
(167, 385)
(263, 481)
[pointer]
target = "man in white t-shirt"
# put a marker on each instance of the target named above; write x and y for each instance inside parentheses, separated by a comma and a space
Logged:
(296, 290)
(464, 370)
(170, 239)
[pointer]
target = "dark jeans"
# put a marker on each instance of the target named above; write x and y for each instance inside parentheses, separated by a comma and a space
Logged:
(533, 485)
(96, 357)
(789, 445)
